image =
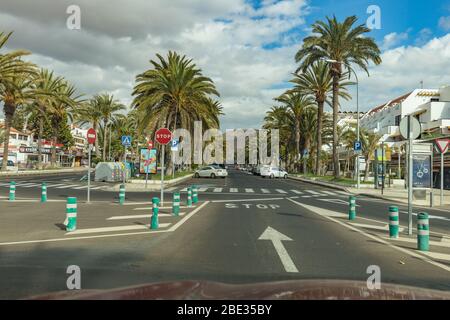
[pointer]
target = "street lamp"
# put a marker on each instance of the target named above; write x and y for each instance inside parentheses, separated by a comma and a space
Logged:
(357, 114)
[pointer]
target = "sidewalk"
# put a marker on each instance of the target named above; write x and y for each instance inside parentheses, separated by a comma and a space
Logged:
(152, 185)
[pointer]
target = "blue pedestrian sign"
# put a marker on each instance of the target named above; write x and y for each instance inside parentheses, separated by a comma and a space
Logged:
(357, 146)
(126, 141)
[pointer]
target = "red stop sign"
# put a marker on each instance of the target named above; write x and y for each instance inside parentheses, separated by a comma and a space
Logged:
(91, 136)
(163, 136)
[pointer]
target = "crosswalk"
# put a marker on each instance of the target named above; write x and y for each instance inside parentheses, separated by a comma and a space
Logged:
(52, 185)
(305, 193)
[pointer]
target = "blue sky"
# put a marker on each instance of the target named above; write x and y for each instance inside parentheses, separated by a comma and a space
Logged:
(246, 46)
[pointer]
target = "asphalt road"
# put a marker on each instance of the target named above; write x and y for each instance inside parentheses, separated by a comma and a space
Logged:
(245, 229)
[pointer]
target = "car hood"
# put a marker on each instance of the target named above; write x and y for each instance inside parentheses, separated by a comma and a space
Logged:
(285, 290)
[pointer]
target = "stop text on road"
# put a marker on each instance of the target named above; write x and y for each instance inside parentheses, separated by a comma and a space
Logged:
(163, 136)
(251, 205)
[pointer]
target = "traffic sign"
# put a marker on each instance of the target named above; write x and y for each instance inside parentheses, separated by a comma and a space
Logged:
(174, 144)
(91, 136)
(163, 136)
(442, 144)
(126, 141)
(357, 146)
(415, 128)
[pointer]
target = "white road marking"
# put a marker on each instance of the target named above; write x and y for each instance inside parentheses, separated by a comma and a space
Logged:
(186, 218)
(249, 190)
(217, 190)
(321, 211)
(139, 216)
(67, 186)
(234, 190)
(113, 229)
(170, 189)
(414, 240)
(437, 255)
(280, 191)
(265, 191)
(430, 216)
(202, 189)
(277, 237)
(313, 192)
(161, 208)
(28, 185)
(244, 200)
(306, 196)
(329, 192)
(80, 188)
(370, 226)
(338, 201)
(183, 190)
(297, 191)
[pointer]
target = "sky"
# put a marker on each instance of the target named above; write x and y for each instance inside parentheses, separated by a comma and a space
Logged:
(246, 46)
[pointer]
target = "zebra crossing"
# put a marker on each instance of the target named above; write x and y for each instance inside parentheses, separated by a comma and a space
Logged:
(303, 193)
(52, 185)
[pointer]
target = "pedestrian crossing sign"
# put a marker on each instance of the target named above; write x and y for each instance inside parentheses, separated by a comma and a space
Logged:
(126, 141)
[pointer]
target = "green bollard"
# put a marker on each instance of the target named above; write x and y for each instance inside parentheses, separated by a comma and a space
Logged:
(154, 221)
(44, 192)
(393, 222)
(352, 207)
(189, 197)
(71, 214)
(12, 191)
(176, 204)
(423, 232)
(194, 194)
(122, 194)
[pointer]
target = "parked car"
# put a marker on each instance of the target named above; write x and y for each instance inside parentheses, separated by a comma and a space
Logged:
(257, 169)
(273, 172)
(211, 171)
(10, 165)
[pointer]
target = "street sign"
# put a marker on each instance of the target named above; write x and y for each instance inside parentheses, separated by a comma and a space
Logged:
(174, 144)
(163, 136)
(357, 146)
(126, 141)
(415, 128)
(91, 136)
(442, 144)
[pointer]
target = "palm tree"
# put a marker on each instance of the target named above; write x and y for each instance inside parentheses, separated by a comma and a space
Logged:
(318, 82)
(89, 113)
(370, 142)
(108, 108)
(296, 105)
(342, 45)
(175, 93)
(14, 87)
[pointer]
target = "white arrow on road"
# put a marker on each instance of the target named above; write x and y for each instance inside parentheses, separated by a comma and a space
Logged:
(276, 238)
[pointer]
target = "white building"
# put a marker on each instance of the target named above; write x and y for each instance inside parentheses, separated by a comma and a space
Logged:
(430, 106)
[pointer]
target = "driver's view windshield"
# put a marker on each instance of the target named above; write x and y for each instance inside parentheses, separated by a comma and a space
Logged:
(224, 149)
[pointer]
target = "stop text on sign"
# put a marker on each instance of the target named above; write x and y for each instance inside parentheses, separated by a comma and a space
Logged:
(251, 205)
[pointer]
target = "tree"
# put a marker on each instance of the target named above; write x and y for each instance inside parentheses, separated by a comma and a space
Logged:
(369, 142)
(342, 45)
(14, 87)
(174, 94)
(89, 113)
(317, 81)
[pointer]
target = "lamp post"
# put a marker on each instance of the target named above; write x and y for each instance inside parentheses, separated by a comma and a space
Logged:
(357, 115)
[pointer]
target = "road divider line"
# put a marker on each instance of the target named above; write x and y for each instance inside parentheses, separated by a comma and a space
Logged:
(186, 218)
(323, 213)
(370, 226)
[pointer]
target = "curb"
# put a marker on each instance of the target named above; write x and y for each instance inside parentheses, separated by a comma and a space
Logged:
(140, 187)
(7, 174)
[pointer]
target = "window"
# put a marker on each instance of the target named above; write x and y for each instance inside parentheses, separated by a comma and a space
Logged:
(397, 120)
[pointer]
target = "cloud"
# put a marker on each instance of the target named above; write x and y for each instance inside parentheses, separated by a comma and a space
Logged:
(423, 37)
(392, 39)
(444, 23)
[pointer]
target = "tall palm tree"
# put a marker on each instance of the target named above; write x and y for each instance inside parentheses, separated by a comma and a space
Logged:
(342, 44)
(108, 108)
(14, 87)
(175, 93)
(296, 104)
(317, 81)
(370, 142)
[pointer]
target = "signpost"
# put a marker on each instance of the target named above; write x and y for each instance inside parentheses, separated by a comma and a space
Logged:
(442, 145)
(410, 129)
(163, 136)
(126, 142)
(149, 147)
(174, 148)
(91, 137)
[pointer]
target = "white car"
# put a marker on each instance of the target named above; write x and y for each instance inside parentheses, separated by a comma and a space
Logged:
(211, 171)
(273, 172)
(9, 166)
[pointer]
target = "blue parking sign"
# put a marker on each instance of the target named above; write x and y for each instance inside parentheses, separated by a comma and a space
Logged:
(357, 146)
(126, 141)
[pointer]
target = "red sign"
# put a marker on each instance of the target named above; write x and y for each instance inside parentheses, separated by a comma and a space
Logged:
(150, 145)
(91, 136)
(442, 144)
(163, 136)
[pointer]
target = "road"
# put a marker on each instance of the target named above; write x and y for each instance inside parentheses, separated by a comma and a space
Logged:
(244, 229)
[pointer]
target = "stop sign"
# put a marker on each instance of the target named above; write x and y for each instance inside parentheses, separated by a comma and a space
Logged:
(91, 136)
(163, 136)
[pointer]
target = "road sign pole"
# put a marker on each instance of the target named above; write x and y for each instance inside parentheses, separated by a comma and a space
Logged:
(442, 179)
(410, 176)
(89, 175)
(124, 164)
(146, 168)
(162, 175)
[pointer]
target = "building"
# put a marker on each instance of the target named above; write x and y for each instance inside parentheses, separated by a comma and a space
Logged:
(80, 148)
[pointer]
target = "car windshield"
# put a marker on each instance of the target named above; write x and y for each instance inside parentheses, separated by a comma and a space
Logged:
(224, 147)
